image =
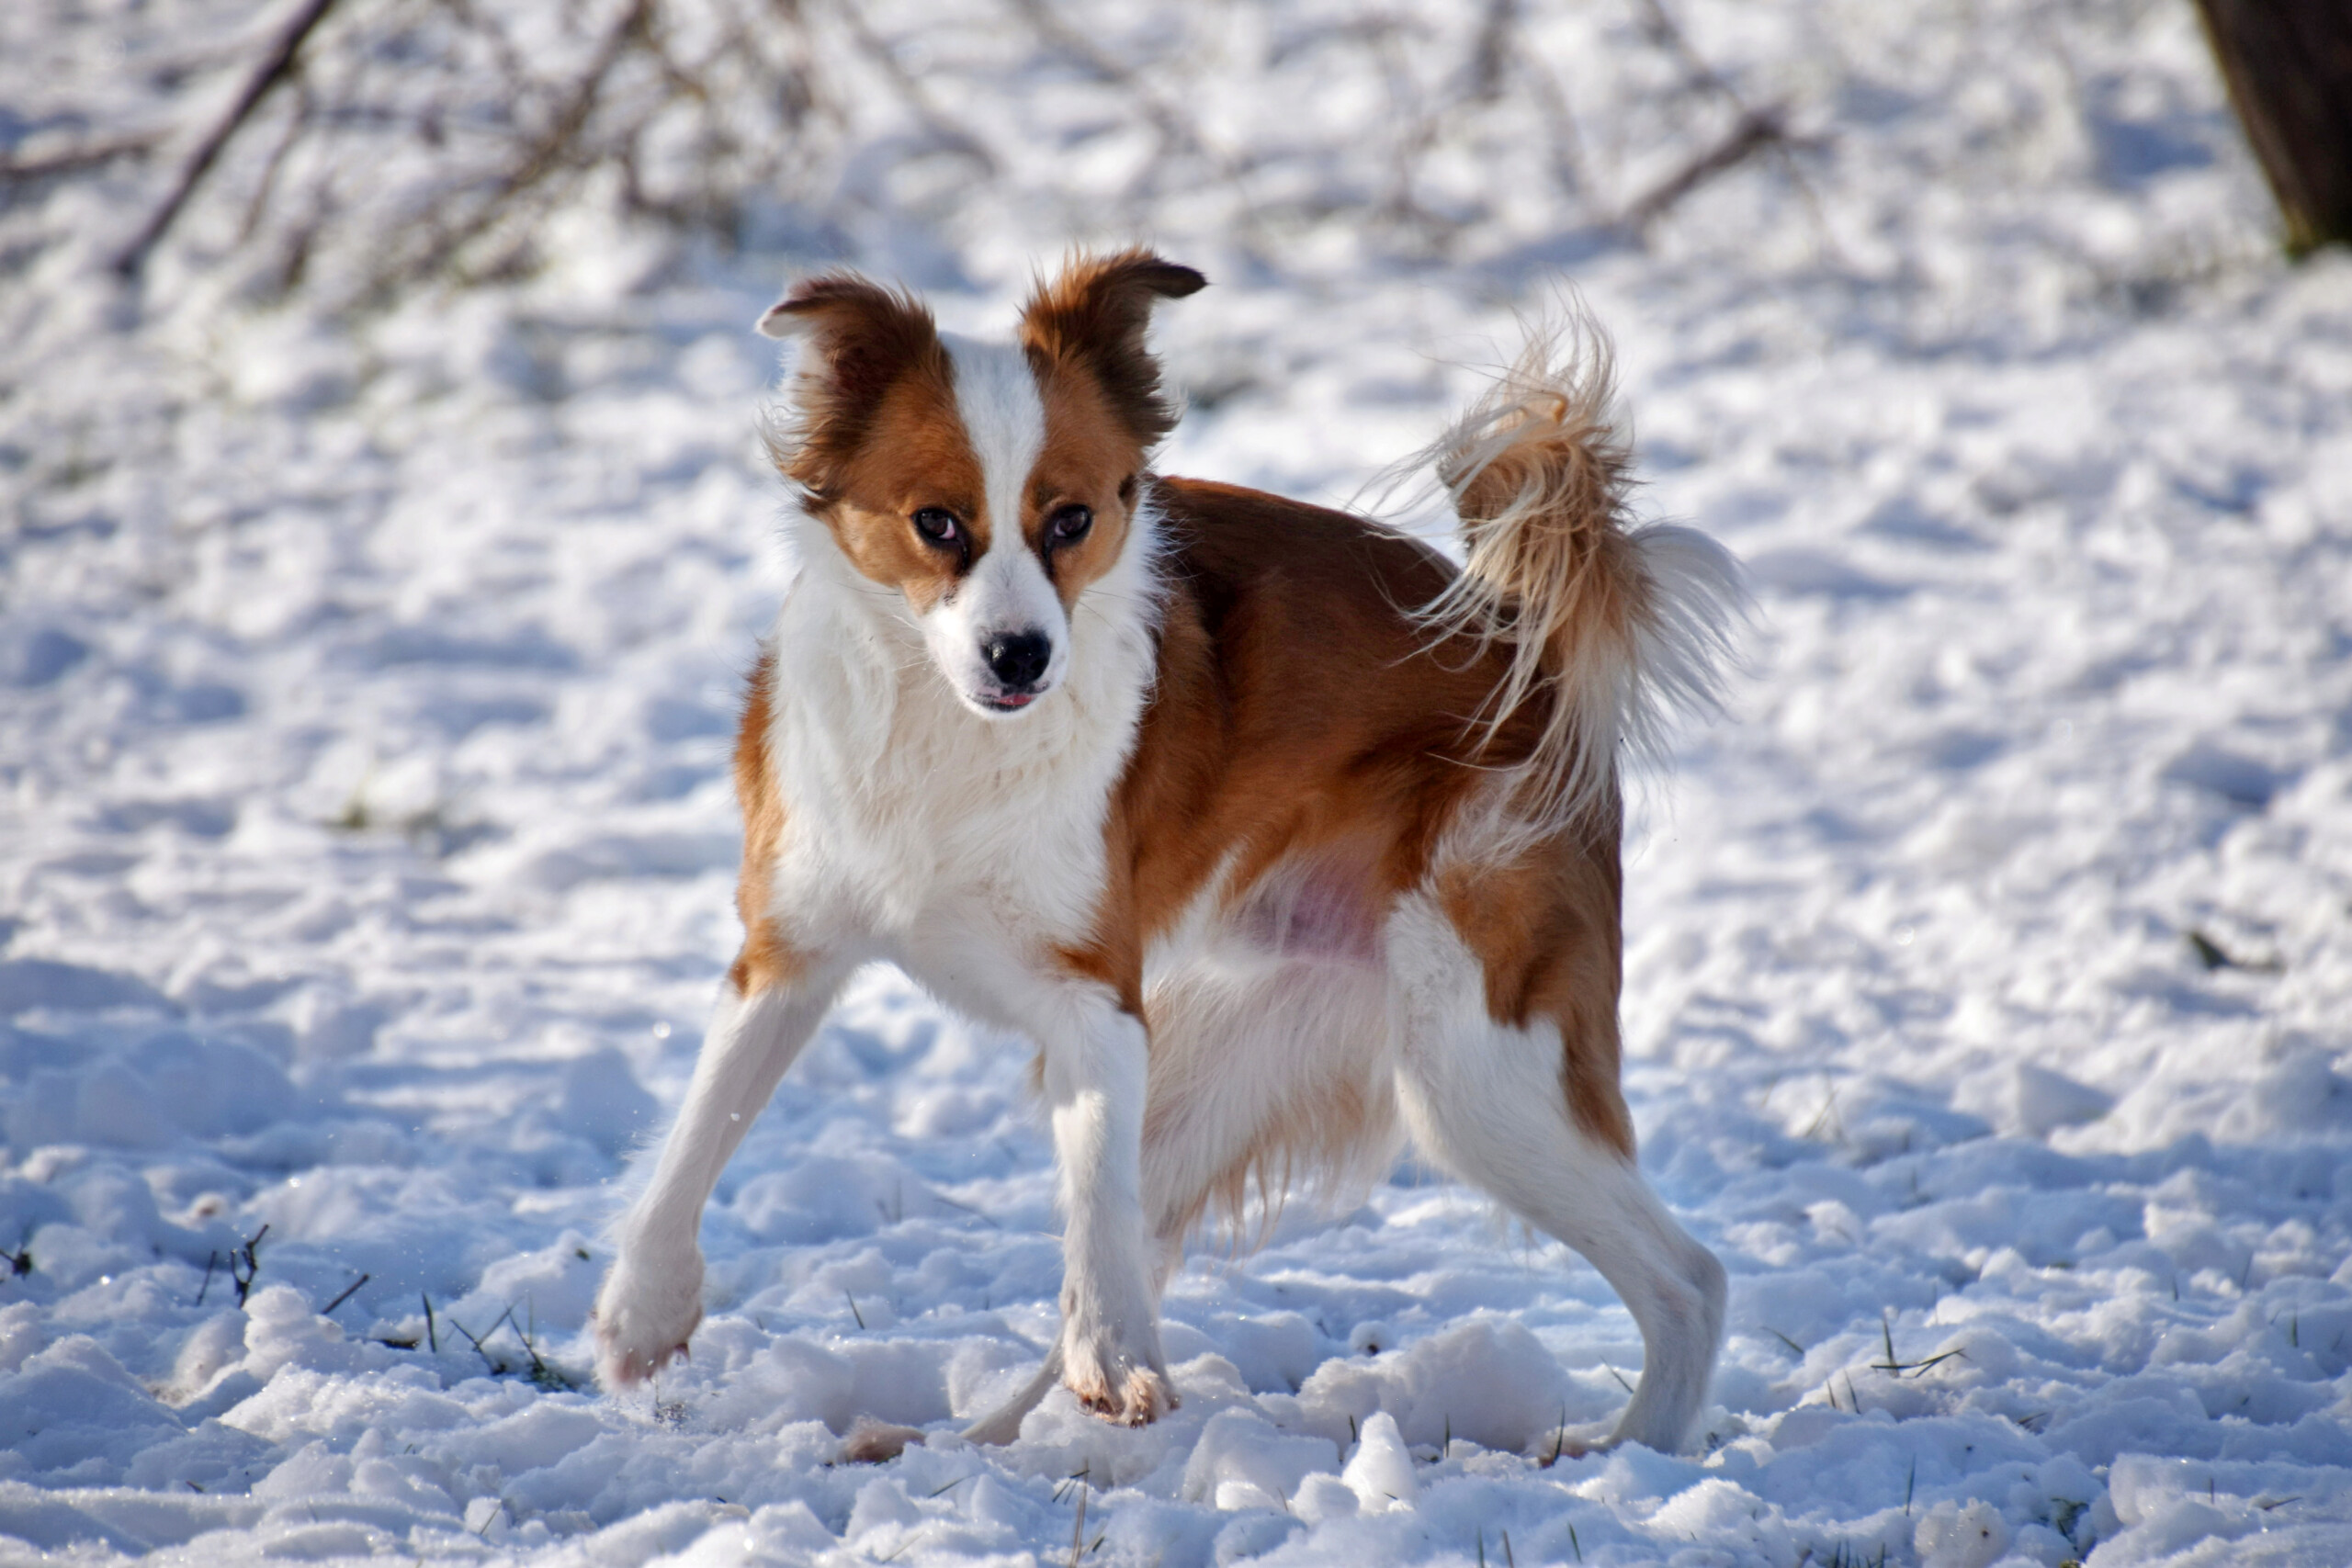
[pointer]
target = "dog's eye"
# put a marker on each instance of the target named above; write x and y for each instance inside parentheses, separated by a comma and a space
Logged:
(937, 524)
(1070, 525)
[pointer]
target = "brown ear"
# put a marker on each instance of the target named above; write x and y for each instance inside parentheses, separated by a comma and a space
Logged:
(1095, 314)
(862, 340)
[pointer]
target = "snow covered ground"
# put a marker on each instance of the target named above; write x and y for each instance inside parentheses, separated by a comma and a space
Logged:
(365, 694)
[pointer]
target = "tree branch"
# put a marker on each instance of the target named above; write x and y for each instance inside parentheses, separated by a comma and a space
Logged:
(1755, 130)
(272, 69)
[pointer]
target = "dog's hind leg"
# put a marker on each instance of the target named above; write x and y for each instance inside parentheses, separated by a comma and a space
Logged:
(1503, 1107)
(652, 1299)
(1265, 1071)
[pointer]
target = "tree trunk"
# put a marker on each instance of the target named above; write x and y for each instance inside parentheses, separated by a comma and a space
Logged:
(2289, 67)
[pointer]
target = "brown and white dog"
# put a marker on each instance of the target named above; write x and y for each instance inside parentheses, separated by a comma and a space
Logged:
(1280, 835)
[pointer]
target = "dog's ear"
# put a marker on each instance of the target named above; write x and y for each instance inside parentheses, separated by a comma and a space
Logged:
(1094, 315)
(861, 336)
(862, 339)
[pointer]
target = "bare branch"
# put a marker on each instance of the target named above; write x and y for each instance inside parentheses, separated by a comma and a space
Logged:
(1755, 130)
(1491, 53)
(1177, 129)
(941, 125)
(73, 159)
(272, 69)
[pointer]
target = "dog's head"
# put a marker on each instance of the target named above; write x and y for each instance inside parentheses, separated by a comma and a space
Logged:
(989, 483)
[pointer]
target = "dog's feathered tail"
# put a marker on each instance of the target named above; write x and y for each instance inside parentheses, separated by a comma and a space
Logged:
(1611, 628)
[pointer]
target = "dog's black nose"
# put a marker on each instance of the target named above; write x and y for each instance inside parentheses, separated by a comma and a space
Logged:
(1017, 659)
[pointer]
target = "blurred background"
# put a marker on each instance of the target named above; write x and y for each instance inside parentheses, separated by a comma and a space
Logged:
(344, 155)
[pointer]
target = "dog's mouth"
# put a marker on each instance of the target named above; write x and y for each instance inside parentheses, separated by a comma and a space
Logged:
(1005, 702)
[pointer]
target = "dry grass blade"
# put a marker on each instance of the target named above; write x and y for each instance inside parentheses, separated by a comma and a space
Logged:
(346, 1293)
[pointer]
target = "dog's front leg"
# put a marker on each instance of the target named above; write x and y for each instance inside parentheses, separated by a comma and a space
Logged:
(652, 1299)
(1096, 1068)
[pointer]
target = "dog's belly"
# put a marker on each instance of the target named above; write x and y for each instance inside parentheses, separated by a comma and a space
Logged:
(1307, 911)
(1323, 907)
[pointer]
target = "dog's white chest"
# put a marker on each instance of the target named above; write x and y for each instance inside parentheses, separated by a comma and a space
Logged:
(907, 817)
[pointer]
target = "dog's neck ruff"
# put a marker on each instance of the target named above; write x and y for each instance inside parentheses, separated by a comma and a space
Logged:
(908, 798)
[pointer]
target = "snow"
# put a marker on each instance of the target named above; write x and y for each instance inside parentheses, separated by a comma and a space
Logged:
(365, 688)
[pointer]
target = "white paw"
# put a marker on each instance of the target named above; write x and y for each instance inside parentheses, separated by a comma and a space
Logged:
(644, 1315)
(1127, 1385)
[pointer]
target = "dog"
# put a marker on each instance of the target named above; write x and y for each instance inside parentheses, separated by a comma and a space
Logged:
(1282, 837)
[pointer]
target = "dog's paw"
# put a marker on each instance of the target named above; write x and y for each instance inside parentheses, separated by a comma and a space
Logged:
(644, 1316)
(1118, 1389)
(1144, 1398)
(1563, 1445)
(877, 1442)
